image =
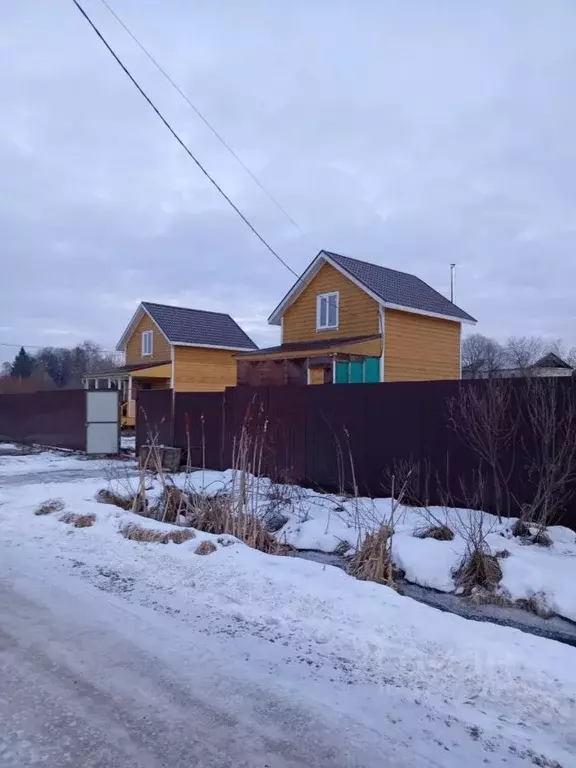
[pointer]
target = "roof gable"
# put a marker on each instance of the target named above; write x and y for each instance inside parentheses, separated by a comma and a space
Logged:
(191, 327)
(389, 287)
(551, 360)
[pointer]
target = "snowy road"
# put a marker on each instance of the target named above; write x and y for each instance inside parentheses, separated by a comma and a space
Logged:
(86, 680)
(118, 653)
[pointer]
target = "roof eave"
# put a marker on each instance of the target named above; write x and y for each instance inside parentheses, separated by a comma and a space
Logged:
(214, 346)
(469, 320)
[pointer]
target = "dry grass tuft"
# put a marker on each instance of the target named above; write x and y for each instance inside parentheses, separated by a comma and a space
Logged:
(78, 521)
(205, 548)
(502, 554)
(214, 514)
(438, 532)
(372, 561)
(181, 535)
(477, 569)
(537, 604)
(341, 548)
(542, 539)
(50, 506)
(135, 532)
(105, 496)
(174, 503)
(481, 596)
(210, 512)
(520, 529)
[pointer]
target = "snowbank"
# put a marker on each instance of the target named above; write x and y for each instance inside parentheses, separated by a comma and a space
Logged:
(326, 523)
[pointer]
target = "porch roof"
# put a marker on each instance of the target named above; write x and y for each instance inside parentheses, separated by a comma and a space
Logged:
(123, 371)
(304, 348)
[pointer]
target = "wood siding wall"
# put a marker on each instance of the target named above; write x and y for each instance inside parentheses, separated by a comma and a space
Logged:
(420, 348)
(203, 370)
(160, 347)
(358, 313)
(317, 374)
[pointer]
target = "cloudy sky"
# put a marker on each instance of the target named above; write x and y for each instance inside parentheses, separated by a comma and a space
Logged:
(410, 133)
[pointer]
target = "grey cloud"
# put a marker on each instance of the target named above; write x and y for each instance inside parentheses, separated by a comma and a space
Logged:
(413, 135)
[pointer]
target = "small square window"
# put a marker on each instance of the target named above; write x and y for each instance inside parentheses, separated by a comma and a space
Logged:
(327, 310)
(147, 337)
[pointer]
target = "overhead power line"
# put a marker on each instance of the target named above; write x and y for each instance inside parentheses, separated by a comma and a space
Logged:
(180, 141)
(202, 117)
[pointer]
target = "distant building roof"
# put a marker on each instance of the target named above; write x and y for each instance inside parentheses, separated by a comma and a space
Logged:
(551, 360)
(395, 289)
(199, 327)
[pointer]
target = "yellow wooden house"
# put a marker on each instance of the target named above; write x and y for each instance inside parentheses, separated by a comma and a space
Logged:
(166, 347)
(349, 321)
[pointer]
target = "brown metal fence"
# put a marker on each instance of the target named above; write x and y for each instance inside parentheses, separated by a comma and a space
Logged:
(55, 418)
(154, 416)
(334, 437)
(198, 427)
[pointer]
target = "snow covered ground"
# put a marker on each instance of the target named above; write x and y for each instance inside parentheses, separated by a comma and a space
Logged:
(128, 442)
(397, 683)
(326, 523)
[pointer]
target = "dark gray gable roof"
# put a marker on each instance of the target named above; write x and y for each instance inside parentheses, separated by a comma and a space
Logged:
(551, 360)
(196, 326)
(400, 288)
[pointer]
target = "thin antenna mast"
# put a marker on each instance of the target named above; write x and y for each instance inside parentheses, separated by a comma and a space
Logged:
(452, 282)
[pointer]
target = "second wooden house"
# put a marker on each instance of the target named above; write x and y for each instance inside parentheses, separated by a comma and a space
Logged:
(349, 321)
(166, 347)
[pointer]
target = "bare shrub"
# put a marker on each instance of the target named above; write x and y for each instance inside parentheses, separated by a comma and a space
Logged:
(107, 496)
(135, 532)
(549, 410)
(477, 569)
(205, 548)
(78, 521)
(482, 415)
(528, 424)
(438, 532)
(50, 506)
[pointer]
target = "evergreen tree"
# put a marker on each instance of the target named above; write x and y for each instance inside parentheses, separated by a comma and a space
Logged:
(23, 365)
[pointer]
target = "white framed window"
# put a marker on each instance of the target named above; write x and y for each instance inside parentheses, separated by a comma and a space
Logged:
(147, 340)
(327, 310)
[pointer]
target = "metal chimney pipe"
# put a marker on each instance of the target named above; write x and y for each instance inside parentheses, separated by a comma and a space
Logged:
(452, 282)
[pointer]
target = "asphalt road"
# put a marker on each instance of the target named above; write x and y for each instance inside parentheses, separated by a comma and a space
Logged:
(88, 680)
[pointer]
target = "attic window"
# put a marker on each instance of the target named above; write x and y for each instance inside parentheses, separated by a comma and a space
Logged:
(327, 310)
(147, 337)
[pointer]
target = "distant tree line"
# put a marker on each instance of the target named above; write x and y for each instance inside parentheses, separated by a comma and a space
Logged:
(482, 355)
(60, 367)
